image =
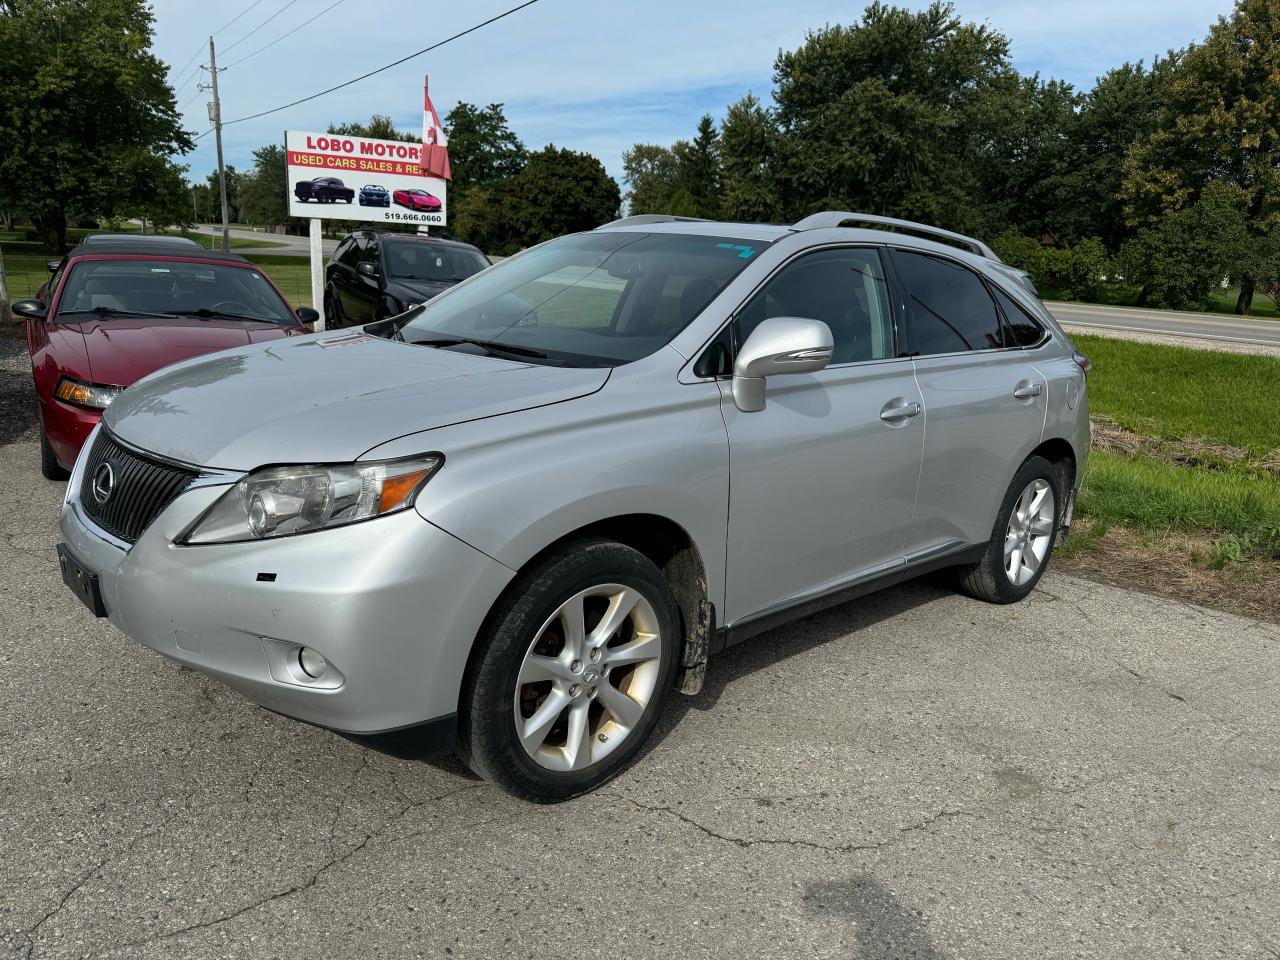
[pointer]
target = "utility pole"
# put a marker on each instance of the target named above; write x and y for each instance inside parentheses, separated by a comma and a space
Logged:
(215, 114)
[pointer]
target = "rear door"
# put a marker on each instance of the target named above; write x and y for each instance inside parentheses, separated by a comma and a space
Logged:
(823, 479)
(984, 401)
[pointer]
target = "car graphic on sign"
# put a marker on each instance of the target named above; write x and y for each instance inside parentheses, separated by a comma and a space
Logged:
(417, 200)
(323, 190)
(374, 195)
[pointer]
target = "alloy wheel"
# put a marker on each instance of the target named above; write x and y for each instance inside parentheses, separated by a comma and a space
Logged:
(1030, 533)
(588, 677)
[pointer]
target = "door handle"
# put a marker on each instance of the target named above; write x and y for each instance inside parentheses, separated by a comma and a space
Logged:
(1026, 390)
(899, 409)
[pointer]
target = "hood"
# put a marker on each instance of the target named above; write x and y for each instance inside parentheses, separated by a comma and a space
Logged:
(125, 349)
(325, 398)
(416, 291)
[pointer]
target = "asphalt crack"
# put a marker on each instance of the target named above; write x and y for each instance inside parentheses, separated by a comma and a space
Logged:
(747, 842)
(330, 864)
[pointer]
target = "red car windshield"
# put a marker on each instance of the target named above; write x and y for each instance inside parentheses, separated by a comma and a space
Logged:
(168, 288)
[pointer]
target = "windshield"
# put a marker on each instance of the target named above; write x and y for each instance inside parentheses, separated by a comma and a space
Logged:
(169, 288)
(427, 261)
(597, 298)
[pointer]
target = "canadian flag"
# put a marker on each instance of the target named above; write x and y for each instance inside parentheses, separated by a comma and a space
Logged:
(435, 145)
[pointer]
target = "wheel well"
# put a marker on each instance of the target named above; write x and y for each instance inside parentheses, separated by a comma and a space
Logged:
(673, 552)
(1059, 452)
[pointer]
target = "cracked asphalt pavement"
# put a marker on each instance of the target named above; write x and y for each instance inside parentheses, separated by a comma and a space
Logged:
(1092, 773)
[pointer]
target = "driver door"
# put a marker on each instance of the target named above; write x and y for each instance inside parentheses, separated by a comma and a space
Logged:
(822, 481)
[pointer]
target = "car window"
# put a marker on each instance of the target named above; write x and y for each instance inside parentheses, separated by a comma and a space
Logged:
(844, 288)
(417, 260)
(344, 249)
(100, 288)
(369, 251)
(1023, 329)
(349, 254)
(589, 299)
(948, 307)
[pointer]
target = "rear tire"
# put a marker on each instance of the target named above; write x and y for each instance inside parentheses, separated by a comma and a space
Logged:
(1023, 537)
(550, 710)
(49, 466)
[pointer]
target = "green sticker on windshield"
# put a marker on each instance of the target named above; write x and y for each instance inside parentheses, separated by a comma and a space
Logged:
(744, 252)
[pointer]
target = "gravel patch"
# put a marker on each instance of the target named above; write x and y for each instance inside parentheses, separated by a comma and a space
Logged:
(18, 415)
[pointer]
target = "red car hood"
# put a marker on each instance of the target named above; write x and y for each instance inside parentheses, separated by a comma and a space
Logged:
(124, 349)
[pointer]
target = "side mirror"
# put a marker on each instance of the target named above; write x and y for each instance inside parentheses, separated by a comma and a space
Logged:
(53, 265)
(307, 316)
(367, 269)
(778, 345)
(30, 309)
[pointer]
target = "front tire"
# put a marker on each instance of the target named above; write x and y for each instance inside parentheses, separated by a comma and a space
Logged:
(50, 469)
(571, 672)
(1022, 539)
(332, 315)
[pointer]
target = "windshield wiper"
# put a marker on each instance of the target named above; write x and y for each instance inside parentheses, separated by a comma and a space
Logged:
(204, 313)
(492, 346)
(109, 312)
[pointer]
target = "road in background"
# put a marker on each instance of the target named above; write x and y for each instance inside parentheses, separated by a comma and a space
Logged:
(291, 246)
(1213, 330)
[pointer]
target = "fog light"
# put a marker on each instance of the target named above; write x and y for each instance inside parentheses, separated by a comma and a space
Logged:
(312, 664)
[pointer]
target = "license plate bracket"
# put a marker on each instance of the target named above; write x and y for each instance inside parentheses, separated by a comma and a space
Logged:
(81, 580)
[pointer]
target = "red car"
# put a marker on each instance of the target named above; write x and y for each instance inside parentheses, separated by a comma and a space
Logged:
(417, 200)
(116, 311)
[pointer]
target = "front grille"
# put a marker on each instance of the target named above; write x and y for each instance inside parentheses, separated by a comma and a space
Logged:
(141, 488)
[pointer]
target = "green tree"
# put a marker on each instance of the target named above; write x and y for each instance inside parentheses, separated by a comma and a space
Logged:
(1219, 124)
(748, 158)
(482, 147)
(233, 178)
(264, 191)
(650, 173)
(559, 191)
(87, 117)
(379, 127)
(1178, 260)
(698, 170)
(169, 204)
(891, 115)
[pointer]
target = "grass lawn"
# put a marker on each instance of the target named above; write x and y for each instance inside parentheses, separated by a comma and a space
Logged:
(291, 274)
(1172, 392)
(1198, 453)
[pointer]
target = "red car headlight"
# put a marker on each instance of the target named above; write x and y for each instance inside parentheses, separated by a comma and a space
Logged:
(90, 395)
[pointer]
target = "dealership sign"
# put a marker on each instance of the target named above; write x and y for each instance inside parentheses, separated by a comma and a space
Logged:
(354, 178)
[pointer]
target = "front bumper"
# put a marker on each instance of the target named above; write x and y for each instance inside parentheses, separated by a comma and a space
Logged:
(393, 603)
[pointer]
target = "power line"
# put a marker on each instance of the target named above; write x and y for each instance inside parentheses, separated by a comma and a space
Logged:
(259, 26)
(366, 76)
(284, 35)
(183, 69)
(235, 18)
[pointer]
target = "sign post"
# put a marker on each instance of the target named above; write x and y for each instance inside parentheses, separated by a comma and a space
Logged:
(317, 273)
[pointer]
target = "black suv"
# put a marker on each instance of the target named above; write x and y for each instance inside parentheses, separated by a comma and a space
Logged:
(376, 274)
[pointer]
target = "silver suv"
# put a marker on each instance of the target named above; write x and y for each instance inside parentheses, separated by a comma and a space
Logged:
(520, 515)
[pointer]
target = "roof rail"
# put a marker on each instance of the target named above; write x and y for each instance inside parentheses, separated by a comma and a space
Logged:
(643, 218)
(839, 218)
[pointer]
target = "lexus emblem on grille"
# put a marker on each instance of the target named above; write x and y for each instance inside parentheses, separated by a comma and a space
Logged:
(104, 481)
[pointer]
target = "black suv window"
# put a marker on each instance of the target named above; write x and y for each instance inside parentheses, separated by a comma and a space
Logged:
(1024, 331)
(948, 307)
(348, 253)
(844, 288)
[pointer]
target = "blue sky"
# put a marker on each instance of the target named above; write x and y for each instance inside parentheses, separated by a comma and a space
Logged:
(594, 75)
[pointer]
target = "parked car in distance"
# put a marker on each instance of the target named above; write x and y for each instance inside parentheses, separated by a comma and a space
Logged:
(373, 195)
(158, 239)
(323, 190)
(418, 200)
(523, 513)
(113, 312)
(376, 274)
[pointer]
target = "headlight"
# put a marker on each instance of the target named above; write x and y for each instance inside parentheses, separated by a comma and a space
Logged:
(279, 501)
(85, 394)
